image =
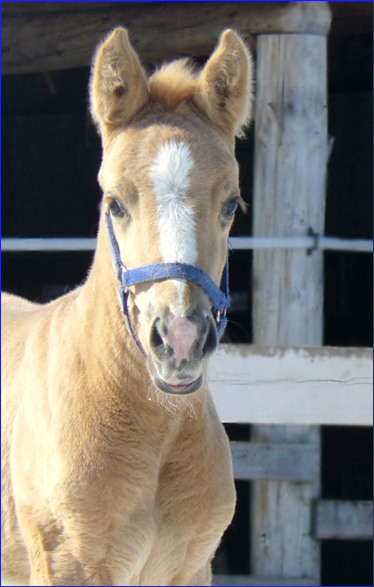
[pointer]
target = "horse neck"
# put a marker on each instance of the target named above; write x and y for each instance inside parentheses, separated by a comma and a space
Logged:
(109, 343)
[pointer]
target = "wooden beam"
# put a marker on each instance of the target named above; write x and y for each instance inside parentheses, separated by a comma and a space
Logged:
(49, 40)
(296, 385)
(255, 460)
(58, 6)
(348, 17)
(343, 520)
(289, 198)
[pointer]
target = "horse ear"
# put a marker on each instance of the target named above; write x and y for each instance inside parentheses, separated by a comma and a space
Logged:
(226, 86)
(118, 86)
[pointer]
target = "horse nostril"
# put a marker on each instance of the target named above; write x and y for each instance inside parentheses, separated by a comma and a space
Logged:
(156, 339)
(158, 343)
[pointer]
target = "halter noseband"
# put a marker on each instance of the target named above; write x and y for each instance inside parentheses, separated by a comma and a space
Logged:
(218, 296)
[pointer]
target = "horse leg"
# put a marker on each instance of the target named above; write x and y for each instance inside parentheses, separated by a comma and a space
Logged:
(202, 577)
(52, 561)
(62, 568)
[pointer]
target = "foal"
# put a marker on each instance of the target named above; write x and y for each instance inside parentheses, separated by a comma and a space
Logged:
(115, 467)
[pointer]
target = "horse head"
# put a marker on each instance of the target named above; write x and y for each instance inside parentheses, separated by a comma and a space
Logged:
(170, 190)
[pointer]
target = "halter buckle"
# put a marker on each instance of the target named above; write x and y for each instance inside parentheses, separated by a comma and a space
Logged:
(220, 314)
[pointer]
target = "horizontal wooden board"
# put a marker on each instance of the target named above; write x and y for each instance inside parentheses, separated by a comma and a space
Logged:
(343, 520)
(262, 581)
(299, 385)
(255, 460)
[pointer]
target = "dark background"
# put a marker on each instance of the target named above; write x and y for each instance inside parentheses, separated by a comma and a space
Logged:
(50, 159)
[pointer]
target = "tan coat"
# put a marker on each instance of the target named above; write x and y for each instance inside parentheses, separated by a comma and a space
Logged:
(106, 480)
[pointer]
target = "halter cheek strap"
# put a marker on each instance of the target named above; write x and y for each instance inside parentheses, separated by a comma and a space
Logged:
(218, 296)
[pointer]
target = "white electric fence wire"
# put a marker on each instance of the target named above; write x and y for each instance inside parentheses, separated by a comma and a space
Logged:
(311, 243)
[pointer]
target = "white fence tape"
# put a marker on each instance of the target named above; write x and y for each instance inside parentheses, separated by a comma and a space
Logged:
(314, 242)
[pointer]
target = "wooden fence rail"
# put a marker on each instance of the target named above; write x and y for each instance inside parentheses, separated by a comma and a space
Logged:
(244, 580)
(255, 460)
(296, 385)
(343, 520)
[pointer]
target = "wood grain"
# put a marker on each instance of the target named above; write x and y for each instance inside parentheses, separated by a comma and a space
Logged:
(46, 40)
(289, 199)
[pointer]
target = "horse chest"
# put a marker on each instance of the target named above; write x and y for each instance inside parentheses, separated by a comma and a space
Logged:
(177, 517)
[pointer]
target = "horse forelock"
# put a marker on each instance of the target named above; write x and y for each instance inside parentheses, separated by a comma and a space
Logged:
(173, 83)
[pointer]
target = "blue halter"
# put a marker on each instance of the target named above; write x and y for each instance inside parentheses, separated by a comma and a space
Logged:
(218, 296)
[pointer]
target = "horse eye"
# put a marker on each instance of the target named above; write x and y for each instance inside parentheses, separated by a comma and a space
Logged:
(117, 209)
(229, 208)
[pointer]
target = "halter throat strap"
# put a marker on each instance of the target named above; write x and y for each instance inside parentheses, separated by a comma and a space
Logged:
(218, 296)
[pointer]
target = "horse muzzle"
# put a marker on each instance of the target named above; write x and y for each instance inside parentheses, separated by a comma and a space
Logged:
(177, 347)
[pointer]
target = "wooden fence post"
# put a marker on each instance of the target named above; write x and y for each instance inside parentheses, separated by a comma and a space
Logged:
(289, 199)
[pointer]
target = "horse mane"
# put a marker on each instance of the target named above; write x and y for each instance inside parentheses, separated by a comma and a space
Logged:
(174, 83)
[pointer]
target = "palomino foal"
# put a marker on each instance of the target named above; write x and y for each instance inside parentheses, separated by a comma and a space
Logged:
(115, 467)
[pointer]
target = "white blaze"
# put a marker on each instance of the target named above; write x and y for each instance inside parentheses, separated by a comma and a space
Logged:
(170, 176)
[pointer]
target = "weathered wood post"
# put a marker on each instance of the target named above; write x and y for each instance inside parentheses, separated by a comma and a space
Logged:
(289, 199)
